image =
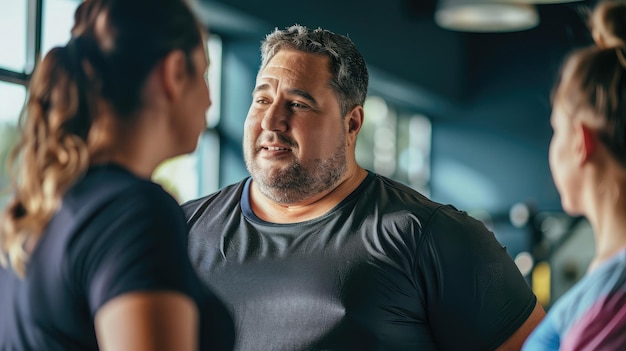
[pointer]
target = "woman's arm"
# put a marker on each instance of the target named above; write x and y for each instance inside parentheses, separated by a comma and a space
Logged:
(155, 321)
(516, 340)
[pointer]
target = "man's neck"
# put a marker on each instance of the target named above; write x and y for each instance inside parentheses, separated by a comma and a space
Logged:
(313, 207)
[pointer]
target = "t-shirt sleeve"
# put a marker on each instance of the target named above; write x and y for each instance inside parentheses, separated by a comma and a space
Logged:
(476, 297)
(136, 242)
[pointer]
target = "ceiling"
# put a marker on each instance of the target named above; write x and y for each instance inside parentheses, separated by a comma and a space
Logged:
(403, 46)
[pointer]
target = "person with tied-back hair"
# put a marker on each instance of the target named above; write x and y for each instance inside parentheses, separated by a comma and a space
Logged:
(588, 164)
(608, 23)
(93, 253)
(313, 252)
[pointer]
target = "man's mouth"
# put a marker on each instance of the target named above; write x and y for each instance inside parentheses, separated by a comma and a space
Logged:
(275, 148)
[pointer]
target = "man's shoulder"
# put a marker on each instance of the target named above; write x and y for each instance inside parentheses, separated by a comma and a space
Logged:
(396, 195)
(228, 194)
(395, 192)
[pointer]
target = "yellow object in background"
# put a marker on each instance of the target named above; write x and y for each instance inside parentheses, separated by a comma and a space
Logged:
(541, 283)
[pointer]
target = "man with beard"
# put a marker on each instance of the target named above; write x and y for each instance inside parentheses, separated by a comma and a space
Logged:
(313, 252)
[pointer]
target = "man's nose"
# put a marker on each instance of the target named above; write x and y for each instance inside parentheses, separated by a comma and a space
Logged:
(276, 117)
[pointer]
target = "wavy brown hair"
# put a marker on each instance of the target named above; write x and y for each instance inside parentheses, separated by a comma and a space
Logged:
(114, 46)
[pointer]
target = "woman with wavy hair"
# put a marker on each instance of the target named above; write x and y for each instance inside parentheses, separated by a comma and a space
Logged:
(93, 253)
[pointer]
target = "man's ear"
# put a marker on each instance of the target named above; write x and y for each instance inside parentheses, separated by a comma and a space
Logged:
(355, 119)
(174, 74)
(354, 122)
(587, 142)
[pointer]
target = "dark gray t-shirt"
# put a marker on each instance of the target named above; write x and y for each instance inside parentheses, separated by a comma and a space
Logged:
(386, 269)
(115, 233)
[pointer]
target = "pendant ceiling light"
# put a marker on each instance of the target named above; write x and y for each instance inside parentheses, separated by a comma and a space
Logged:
(537, 1)
(486, 15)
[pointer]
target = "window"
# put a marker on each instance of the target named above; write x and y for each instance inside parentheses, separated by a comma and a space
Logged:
(13, 39)
(57, 21)
(8, 138)
(11, 99)
(395, 144)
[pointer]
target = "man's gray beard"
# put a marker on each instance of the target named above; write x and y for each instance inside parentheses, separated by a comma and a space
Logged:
(296, 183)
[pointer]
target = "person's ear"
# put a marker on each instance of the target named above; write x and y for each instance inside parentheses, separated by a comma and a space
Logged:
(354, 122)
(174, 74)
(587, 142)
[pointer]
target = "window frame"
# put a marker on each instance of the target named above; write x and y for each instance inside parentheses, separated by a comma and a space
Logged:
(34, 19)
